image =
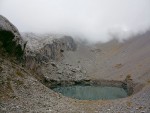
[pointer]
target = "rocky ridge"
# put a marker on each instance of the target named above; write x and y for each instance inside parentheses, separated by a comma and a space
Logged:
(44, 61)
(44, 54)
(47, 47)
(19, 79)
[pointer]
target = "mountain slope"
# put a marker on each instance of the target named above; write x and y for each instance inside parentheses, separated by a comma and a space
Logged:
(24, 84)
(114, 60)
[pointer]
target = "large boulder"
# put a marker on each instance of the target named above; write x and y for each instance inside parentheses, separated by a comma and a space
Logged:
(10, 39)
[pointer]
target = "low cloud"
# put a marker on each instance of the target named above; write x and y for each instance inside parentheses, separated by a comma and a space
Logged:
(95, 20)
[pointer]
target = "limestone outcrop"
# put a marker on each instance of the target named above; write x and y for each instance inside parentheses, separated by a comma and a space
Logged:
(44, 48)
(41, 53)
(44, 54)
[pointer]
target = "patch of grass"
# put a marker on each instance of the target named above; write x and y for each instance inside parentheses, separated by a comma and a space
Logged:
(6, 90)
(1, 82)
(129, 104)
(128, 77)
(140, 107)
(118, 66)
(19, 82)
(19, 73)
(148, 81)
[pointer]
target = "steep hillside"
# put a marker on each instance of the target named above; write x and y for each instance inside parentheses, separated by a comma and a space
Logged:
(20, 89)
(114, 60)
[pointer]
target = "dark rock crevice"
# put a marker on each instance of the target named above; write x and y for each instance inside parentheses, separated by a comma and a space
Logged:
(11, 42)
(9, 45)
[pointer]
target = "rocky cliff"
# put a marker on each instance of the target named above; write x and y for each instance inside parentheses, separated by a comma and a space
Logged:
(41, 54)
(44, 54)
(44, 48)
(41, 62)
(10, 39)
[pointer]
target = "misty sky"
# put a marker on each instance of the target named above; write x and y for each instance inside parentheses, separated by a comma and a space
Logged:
(96, 20)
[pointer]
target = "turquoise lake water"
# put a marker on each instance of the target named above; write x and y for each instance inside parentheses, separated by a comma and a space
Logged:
(91, 92)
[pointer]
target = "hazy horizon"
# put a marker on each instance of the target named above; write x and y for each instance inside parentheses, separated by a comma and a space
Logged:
(95, 20)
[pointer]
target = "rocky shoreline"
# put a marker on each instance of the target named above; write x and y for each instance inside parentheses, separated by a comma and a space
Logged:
(129, 86)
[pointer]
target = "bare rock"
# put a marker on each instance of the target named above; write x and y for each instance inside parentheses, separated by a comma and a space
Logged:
(45, 48)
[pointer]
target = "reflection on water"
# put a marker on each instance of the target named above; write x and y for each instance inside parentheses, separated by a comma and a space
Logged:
(91, 92)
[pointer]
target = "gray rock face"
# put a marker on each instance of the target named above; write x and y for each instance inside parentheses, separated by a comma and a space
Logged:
(44, 48)
(10, 38)
(44, 54)
(55, 50)
(41, 55)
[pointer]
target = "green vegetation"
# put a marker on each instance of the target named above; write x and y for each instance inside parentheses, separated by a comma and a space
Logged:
(19, 73)
(128, 77)
(19, 82)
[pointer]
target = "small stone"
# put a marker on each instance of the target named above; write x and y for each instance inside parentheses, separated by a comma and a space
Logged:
(49, 110)
(53, 64)
(140, 107)
(17, 106)
(73, 70)
(3, 109)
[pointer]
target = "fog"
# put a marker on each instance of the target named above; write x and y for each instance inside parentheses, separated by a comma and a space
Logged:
(95, 20)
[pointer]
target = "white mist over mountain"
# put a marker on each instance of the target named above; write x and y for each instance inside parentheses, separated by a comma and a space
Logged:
(95, 20)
